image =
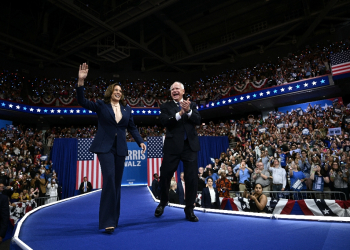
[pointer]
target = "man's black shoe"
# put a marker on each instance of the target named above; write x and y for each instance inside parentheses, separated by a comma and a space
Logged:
(109, 230)
(159, 211)
(191, 217)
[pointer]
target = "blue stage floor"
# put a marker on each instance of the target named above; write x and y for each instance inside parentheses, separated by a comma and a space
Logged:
(74, 225)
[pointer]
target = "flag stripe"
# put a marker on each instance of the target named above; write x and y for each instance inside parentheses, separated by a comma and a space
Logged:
(335, 208)
(304, 207)
(281, 205)
(88, 165)
(340, 63)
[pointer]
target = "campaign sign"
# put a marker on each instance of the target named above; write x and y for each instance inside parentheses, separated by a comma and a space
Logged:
(135, 171)
(280, 125)
(262, 130)
(334, 131)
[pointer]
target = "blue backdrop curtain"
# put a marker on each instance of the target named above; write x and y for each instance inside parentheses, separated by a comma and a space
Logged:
(211, 147)
(64, 159)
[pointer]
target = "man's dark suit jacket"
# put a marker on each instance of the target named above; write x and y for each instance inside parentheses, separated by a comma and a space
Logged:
(108, 128)
(81, 187)
(4, 214)
(206, 199)
(175, 130)
(173, 197)
(180, 192)
(155, 188)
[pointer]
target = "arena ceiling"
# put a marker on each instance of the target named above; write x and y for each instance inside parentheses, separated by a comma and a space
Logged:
(159, 35)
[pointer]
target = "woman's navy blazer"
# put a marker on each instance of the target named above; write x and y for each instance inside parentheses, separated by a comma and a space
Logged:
(108, 128)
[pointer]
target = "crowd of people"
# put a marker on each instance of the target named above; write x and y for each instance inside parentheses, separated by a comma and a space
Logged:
(300, 155)
(312, 61)
(25, 172)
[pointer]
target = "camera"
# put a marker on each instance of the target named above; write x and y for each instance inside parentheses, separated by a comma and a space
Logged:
(248, 186)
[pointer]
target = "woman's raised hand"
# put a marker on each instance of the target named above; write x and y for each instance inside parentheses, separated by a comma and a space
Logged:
(83, 71)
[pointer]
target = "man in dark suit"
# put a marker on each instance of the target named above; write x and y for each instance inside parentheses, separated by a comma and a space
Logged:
(180, 118)
(4, 215)
(155, 186)
(85, 186)
(181, 190)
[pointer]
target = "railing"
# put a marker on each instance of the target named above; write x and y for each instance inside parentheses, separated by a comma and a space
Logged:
(299, 195)
(296, 195)
(45, 200)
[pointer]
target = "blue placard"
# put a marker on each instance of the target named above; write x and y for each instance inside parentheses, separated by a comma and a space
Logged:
(135, 171)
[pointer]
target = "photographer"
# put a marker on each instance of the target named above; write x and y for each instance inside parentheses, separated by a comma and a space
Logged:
(257, 200)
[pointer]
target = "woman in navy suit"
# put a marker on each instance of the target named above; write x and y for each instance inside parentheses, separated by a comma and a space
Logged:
(114, 117)
(210, 196)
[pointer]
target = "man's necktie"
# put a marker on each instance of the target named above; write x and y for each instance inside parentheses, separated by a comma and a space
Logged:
(85, 187)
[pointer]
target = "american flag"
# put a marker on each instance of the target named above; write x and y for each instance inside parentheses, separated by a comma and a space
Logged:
(340, 63)
(88, 165)
(155, 157)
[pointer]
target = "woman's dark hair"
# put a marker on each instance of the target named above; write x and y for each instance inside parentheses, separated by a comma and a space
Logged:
(258, 184)
(210, 179)
(109, 92)
(339, 168)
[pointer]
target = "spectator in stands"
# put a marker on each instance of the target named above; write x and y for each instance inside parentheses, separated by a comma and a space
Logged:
(340, 179)
(34, 193)
(173, 196)
(155, 186)
(257, 200)
(279, 180)
(232, 178)
(243, 174)
(223, 185)
(210, 195)
(265, 159)
(296, 177)
(25, 196)
(85, 186)
(201, 179)
(173, 181)
(181, 189)
(51, 190)
(319, 178)
(16, 192)
(205, 171)
(40, 183)
(214, 176)
(305, 166)
(262, 176)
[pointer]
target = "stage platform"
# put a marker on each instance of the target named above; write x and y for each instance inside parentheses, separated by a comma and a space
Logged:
(73, 224)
